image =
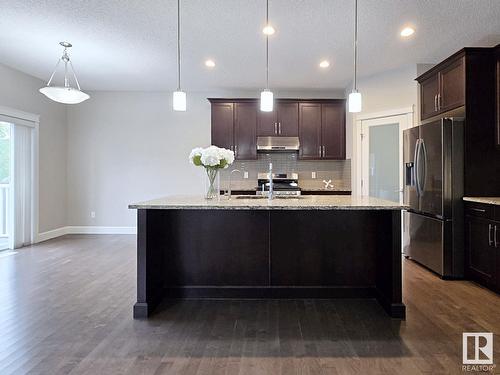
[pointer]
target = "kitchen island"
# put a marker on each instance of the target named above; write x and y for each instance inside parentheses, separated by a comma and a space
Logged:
(307, 247)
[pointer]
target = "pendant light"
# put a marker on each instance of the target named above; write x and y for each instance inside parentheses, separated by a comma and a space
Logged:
(266, 96)
(64, 94)
(179, 97)
(355, 96)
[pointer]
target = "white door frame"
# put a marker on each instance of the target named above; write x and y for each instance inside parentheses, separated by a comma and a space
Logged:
(35, 120)
(357, 162)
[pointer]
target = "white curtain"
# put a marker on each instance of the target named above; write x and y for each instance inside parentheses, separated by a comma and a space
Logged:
(22, 185)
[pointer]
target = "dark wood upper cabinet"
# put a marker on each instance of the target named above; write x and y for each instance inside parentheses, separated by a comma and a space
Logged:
(319, 124)
(497, 66)
(452, 85)
(333, 131)
(429, 89)
(267, 123)
(322, 130)
(288, 119)
(245, 131)
(443, 89)
(283, 121)
(310, 130)
(222, 125)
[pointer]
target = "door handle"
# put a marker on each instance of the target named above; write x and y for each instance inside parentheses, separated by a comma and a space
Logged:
(320, 154)
(439, 102)
(435, 103)
(279, 127)
(495, 237)
(275, 128)
(424, 153)
(324, 151)
(490, 241)
(415, 166)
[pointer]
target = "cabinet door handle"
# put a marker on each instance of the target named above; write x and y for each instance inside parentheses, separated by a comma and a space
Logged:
(279, 127)
(435, 103)
(324, 151)
(495, 237)
(275, 128)
(439, 102)
(320, 154)
(490, 241)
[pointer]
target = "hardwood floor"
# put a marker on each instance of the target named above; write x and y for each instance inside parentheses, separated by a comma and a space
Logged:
(66, 308)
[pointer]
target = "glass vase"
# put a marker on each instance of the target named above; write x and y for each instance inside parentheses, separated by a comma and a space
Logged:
(212, 183)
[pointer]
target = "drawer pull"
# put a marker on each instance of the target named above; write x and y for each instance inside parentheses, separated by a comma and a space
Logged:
(478, 210)
(490, 241)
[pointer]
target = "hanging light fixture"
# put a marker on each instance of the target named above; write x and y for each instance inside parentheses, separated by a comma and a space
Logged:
(64, 94)
(266, 96)
(355, 96)
(179, 97)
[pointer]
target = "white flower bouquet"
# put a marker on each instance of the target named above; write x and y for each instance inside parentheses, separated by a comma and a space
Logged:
(212, 159)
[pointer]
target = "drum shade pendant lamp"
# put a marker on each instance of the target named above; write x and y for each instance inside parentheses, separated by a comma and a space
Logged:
(66, 94)
(179, 96)
(355, 96)
(266, 96)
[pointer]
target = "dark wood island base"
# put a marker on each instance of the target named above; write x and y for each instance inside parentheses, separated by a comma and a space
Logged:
(259, 253)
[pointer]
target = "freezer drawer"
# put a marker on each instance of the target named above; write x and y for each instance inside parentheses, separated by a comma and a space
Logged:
(423, 240)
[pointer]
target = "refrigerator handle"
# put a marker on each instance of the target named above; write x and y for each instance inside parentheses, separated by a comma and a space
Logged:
(415, 165)
(424, 154)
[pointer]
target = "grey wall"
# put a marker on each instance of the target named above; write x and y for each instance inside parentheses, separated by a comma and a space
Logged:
(20, 91)
(125, 147)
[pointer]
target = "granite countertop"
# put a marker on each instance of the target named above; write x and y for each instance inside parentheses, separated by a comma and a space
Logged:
(485, 200)
(323, 189)
(309, 202)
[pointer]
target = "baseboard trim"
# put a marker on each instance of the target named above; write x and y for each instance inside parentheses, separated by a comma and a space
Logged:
(101, 230)
(44, 236)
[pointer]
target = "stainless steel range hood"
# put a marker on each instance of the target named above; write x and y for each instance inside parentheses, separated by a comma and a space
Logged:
(277, 144)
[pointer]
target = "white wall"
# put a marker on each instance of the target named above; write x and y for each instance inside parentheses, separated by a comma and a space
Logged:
(125, 147)
(384, 92)
(20, 91)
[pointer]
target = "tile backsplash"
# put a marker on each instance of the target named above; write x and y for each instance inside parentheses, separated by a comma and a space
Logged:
(339, 171)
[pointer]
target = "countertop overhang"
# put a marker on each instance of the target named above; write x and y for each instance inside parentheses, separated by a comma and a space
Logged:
(485, 200)
(310, 202)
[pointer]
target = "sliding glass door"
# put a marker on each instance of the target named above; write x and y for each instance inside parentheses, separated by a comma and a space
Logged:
(5, 183)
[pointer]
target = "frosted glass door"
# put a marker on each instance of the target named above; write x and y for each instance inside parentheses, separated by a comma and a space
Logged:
(382, 157)
(384, 162)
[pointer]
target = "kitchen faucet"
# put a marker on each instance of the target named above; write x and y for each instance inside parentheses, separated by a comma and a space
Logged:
(270, 195)
(229, 188)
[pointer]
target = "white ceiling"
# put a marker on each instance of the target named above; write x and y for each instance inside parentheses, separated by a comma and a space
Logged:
(130, 44)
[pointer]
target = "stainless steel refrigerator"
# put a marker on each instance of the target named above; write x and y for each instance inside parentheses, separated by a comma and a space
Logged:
(433, 167)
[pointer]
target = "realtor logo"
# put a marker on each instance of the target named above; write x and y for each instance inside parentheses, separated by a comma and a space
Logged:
(477, 348)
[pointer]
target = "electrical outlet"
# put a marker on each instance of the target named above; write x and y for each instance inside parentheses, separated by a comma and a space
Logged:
(92, 214)
(245, 174)
(313, 174)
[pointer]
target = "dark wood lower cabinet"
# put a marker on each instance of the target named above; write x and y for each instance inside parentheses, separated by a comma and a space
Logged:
(258, 254)
(482, 231)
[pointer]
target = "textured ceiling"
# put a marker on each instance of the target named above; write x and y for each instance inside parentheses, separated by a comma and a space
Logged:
(130, 44)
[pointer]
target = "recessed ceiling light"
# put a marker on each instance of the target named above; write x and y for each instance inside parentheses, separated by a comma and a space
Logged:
(268, 30)
(210, 63)
(324, 64)
(407, 31)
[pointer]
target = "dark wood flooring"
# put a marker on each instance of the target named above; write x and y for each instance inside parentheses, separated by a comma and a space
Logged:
(66, 308)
